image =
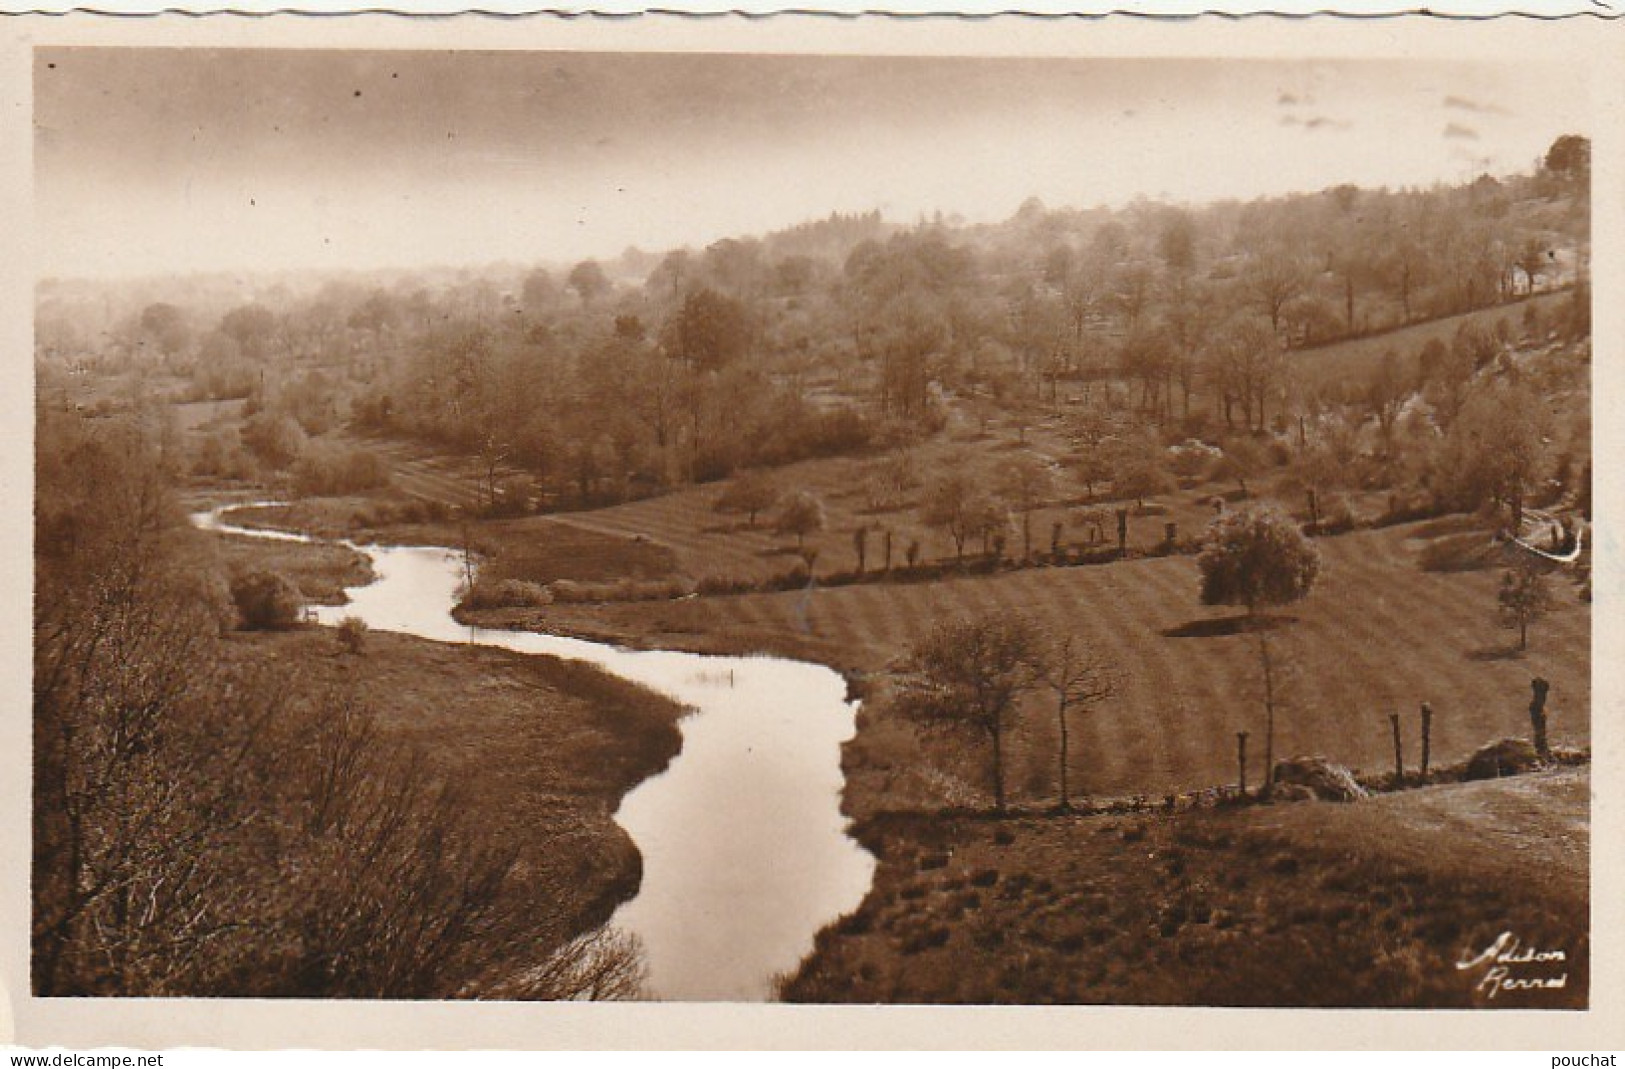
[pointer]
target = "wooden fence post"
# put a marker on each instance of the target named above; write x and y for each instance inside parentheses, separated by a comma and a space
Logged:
(1537, 716)
(1427, 737)
(1399, 751)
(1241, 761)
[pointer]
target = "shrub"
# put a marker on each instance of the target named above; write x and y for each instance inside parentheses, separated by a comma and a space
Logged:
(417, 510)
(1256, 557)
(266, 601)
(576, 592)
(800, 514)
(507, 594)
(352, 634)
(219, 456)
(1192, 457)
(751, 493)
(326, 469)
(1336, 515)
(514, 497)
(276, 440)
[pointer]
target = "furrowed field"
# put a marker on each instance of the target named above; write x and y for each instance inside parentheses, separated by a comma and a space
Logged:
(1379, 635)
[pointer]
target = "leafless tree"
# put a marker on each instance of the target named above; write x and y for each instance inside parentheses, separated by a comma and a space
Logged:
(1078, 678)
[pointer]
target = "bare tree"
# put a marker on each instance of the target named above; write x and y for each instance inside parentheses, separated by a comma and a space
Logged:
(1077, 677)
(1024, 483)
(958, 505)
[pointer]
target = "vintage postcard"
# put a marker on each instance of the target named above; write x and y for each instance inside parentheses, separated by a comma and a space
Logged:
(551, 533)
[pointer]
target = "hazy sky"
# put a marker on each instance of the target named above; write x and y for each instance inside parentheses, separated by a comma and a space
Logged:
(151, 160)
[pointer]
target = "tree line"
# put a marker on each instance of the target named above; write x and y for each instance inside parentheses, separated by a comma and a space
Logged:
(852, 333)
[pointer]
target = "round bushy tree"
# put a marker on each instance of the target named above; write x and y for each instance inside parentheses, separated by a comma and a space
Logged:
(1256, 557)
(751, 492)
(801, 514)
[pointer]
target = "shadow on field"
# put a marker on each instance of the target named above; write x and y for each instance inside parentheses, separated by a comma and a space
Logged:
(1462, 523)
(1225, 625)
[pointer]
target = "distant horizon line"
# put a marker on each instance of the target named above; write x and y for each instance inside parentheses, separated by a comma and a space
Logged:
(924, 219)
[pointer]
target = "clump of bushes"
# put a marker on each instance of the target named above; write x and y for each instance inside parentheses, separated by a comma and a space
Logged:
(1336, 516)
(507, 594)
(327, 469)
(266, 601)
(577, 592)
(514, 497)
(418, 510)
(352, 635)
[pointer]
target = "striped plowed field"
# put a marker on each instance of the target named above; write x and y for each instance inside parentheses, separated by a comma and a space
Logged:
(1378, 635)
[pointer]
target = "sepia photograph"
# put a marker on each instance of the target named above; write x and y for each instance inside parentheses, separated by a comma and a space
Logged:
(573, 524)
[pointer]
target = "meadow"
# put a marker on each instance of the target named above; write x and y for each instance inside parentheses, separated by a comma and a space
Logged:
(1379, 635)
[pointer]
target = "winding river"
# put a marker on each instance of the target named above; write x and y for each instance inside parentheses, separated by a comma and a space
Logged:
(745, 851)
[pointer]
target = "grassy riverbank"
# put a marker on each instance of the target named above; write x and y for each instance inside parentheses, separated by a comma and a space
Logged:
(321, 572)
(1295, 904)
(542, 750)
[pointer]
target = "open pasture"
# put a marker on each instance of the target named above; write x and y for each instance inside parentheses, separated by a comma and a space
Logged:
(1378, 635)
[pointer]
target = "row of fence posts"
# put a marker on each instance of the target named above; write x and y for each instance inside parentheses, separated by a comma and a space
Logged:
(1537, 720)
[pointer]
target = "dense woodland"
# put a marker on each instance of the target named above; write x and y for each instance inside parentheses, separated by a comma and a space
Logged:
(853, 335)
